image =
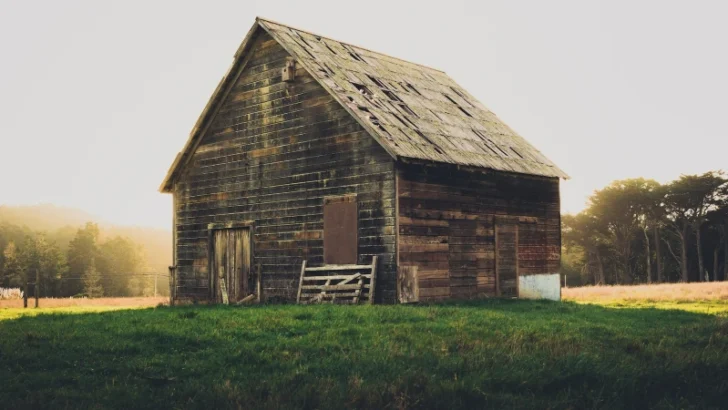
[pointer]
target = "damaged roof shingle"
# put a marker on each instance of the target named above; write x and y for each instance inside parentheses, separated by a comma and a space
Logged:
(427, 98)
(428, 117)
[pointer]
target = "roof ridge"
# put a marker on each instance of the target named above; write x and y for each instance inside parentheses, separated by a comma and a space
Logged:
(257, 19)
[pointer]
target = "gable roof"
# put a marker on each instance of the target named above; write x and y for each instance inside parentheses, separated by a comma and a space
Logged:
(413, 111)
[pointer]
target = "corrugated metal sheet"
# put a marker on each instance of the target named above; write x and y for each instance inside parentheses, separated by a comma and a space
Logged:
(417, 112)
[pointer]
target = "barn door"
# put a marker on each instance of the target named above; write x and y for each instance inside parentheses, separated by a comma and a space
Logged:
(506, 257)
(231, 264)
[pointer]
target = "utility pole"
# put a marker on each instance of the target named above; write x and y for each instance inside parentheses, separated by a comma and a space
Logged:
(155, 284)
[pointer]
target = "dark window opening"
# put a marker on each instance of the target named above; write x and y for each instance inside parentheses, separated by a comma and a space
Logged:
(341, 234)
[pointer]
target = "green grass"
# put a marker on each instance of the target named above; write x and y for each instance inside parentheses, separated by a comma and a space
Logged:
(15, 313)
(493, 353)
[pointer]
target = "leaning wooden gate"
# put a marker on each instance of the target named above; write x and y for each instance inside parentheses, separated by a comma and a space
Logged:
(230, 278)
(342, 284)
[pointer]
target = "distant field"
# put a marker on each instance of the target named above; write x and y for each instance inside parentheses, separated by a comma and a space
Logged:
(673, 292)
(84, 302)
(480, 354)
(11, 309)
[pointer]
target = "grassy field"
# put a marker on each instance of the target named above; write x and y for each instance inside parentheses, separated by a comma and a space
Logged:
(87, 302)
(492, 353)
(664, 292)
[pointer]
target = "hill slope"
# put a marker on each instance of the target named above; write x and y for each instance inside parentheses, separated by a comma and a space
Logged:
(61, 224)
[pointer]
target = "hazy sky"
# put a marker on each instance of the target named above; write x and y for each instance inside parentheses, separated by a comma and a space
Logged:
(97, 97)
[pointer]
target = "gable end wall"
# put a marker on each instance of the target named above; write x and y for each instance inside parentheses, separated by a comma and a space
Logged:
(271, 155)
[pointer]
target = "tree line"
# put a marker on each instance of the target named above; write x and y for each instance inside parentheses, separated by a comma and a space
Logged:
(641, 231)
(73, 264)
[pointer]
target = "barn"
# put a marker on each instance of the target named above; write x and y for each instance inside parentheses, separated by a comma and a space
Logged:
(315, 150)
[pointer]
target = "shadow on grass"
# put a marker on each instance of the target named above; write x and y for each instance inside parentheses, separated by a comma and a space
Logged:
(500, 353)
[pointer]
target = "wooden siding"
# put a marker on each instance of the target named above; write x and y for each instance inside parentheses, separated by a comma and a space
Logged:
(446, 224)
(271, 155)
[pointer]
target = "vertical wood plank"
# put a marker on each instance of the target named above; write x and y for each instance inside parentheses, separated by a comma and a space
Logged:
(300, 281)
(211, 257)
(373, 281)
(495, 260)
(395, 171)
(518, 262)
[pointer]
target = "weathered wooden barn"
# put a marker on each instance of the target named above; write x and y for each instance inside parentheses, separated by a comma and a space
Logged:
(317, 150)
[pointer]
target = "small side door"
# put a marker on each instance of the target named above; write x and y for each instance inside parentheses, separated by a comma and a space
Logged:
(231, 264)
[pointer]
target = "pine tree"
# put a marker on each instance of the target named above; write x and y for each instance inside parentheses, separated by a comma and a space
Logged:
(82, 252)
(11, 274)
(92, 282)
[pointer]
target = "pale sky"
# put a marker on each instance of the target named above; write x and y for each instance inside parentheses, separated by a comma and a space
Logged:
(97, 97)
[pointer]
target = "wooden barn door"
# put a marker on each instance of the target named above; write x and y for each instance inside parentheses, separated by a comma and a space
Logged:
(506, 257)
(231, 264)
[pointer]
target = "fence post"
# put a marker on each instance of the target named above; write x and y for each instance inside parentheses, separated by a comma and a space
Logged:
(37, 286)
(259, 285)
(172, 284)
(25, 294)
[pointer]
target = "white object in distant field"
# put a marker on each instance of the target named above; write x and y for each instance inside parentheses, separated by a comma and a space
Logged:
(544, 286)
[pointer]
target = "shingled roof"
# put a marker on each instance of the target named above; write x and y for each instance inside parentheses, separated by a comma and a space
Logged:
(413, 111)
